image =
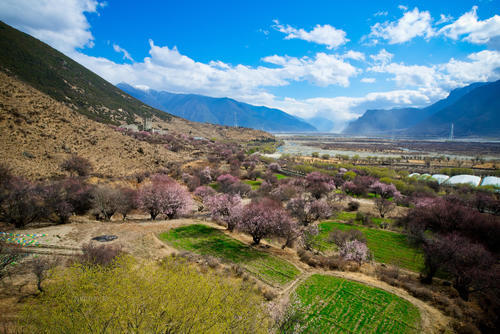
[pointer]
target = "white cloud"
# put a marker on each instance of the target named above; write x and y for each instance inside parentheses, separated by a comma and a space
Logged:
(381, 13)
(368, 80)
(480, 66)
(404, 75)
(413, 24)
(444, 18)
(321, 34)
(475, 31)
(355, 55)
(383, 57)
(343, 109)
(60, 23)
(404, 8)
(119, 49)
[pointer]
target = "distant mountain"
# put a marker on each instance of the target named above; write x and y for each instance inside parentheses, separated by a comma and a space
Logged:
(223, 111)
(397, 121)
(321, 123)
(476, 113)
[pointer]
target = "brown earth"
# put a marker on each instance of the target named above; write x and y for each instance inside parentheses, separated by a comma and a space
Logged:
(37, 133)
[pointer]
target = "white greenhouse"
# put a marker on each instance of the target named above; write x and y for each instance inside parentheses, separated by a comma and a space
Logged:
(491, 181)
(440, 178)
(464, 179)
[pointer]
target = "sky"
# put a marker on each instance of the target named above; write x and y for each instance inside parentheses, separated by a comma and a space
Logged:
(330, 59)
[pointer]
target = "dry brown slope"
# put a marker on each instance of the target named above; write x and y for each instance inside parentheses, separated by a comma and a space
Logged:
(37, 133)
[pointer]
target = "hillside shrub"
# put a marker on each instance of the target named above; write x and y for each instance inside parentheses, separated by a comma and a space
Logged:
(76, 165)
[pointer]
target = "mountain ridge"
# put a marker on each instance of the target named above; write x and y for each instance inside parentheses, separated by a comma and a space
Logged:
(222, 111)
(401, 121)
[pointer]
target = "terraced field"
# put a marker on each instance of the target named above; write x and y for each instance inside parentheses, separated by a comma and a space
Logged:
(336, 305)
(387, 247)
(207, 240)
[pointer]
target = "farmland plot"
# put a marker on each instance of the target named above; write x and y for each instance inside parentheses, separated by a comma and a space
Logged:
(207, 240)
(336, 305)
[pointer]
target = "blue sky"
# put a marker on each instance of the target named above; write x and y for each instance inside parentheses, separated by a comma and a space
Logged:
(332, 59)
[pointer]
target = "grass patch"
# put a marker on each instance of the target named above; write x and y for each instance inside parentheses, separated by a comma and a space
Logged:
(207, 240)
(344, 215)
(280, 176)
(253, 184)
(336, 305)
(387, 247)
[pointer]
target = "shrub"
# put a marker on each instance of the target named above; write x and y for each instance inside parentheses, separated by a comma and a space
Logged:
(146, 297)
(102, 255)
(352, 206)
(164, 196)
(23, 204)
(340, 237)
(76, 165)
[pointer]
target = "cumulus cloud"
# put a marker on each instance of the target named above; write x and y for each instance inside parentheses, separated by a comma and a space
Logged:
(382, 58)
(479, 66)
(60, 23)
(474, 30)
(355, 55)
(119, 49)
(412, 24)
(321, 34)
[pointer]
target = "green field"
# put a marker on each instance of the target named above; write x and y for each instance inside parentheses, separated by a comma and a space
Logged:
(387, 247)
(280, 176)
(351, 216)
(254, 184)
(336, 305)
(207, 240)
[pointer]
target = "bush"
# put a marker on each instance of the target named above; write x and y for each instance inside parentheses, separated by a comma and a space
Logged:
(102, 255)
(145, 297)
(353, 206)
(340, 237)
(76, 165)
(23, 204)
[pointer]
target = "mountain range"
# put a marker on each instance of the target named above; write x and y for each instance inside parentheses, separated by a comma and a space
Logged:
(222, 111)
(473, 110)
